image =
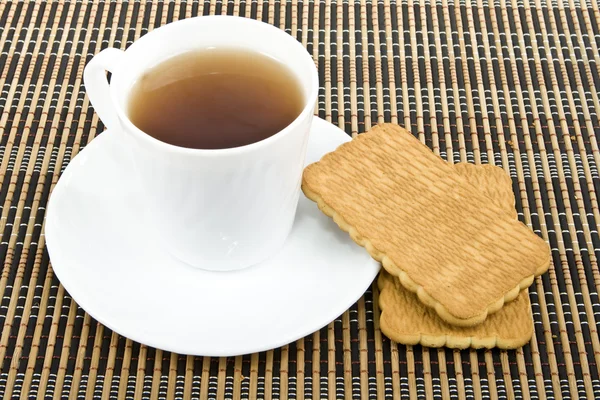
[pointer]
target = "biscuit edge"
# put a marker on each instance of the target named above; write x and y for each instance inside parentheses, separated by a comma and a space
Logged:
(450, 341)
(455, 342)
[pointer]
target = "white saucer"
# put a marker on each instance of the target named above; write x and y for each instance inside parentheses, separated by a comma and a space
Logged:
(102, 255)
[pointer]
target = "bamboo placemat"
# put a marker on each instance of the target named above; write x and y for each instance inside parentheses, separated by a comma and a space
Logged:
(514, 83)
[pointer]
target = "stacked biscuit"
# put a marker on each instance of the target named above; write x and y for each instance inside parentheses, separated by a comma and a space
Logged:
(456, 261)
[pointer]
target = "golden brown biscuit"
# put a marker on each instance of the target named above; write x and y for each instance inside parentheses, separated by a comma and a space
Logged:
(444, 239)
(406, 320)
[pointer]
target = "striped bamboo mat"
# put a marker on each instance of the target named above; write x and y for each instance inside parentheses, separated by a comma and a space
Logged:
(513, 82)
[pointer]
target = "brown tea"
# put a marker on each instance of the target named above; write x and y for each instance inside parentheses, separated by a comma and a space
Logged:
(215, 98)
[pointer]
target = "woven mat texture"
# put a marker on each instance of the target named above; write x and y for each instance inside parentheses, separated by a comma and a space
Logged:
(509, 82)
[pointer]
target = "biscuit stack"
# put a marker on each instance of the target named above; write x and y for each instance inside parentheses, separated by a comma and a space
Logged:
(456, 261)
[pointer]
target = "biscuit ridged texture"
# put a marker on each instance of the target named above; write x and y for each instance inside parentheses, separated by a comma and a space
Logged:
(426, 223)
(491, 181)
(406, 320)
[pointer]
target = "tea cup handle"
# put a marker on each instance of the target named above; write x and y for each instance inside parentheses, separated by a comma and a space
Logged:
(97, 87)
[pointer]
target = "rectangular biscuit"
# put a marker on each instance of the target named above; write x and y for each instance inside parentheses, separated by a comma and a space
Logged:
(406, 320)
(461, 254)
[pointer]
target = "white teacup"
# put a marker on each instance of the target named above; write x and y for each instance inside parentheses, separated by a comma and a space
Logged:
(220, 209)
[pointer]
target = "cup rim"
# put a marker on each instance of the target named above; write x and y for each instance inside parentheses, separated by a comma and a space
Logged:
(308, 108)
